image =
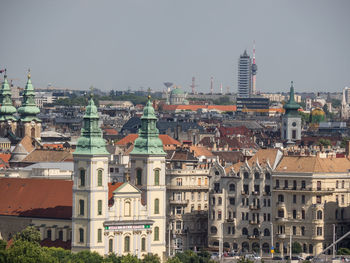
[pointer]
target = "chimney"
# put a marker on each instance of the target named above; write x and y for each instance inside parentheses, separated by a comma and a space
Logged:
(347, 148)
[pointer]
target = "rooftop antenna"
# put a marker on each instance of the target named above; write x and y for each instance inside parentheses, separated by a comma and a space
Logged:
(254, 70)
(221, 88)
(211, 85)
(193, 85)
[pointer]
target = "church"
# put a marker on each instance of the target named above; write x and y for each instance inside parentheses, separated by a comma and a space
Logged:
(89, 213)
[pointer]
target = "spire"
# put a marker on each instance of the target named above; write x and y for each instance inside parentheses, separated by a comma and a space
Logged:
(7, 110)
(148, 141)
(29, 110)
(291, 106)
(90, 141)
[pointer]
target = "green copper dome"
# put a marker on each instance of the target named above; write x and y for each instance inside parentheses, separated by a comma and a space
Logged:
(29, 110)
(6, 110)
(148, 141)
(291, 106)
(91, 142)
(177, 91)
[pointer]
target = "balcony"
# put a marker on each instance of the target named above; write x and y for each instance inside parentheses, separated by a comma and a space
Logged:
(281, 236)
(253, 237)
(253, 222)
(187, 187)
(203, 172)
(244, 192)
(178, 202)
(254, 207)
(231, 220)
(255, 193)
(281, 219)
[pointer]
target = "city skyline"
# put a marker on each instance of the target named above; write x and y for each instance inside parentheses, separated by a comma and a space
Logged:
(116, 45)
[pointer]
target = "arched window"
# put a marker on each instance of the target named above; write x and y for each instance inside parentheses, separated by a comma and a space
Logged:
(81, 235)
(127, 244)
(235, 246)
(127, 208)
(81, 207)
(304, 248)
(139, 176)
(82, 177)
(280, 213)
(49, 234)
(256, 247)
(219, 201)
(110, 246)
(156, 206)
(245, 247)
(266, 232)
(156, 177)
(232, 187)
(156, 233)
(99, 177)
(143, 244)
(213, 230)
(60, 235)
(266, 248)
(343, 184)
(311, 249)
(99, 207)
(256, 232)
(246, 175)
(244, 231)
(319, 214)
(281, 198)
(267, 176)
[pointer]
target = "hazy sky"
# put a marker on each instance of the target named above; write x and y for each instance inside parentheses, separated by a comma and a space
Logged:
(132, 43)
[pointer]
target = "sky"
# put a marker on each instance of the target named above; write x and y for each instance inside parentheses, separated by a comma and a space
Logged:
(122, 44)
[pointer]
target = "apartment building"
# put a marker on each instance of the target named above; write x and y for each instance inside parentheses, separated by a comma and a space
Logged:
(187, 194)
(240, 204)
(309, 195)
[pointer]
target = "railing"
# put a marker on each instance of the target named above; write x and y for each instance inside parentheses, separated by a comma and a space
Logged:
(178, 202)
(188, 172)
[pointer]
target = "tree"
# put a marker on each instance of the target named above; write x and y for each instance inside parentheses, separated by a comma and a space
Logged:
(113, 258)
(3, 244)
(62, 255)
(30, 234)
(343, 251)
(87, 256)
(130, 259)
(244, 260)
(151, 258)
(296, 248)
(174, 260)
(324, 142)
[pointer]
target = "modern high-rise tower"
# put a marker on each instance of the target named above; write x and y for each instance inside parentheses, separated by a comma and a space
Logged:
(244, 76)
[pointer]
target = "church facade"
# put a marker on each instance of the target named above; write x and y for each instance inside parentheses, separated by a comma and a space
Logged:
(120, 218)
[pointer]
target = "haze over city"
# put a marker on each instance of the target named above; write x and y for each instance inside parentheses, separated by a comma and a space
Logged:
(121, 44)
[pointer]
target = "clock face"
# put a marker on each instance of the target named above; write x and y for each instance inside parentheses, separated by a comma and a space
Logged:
(294, 124)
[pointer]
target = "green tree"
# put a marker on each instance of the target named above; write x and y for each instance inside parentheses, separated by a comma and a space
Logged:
(343, 251)
(87, 256)
(130, 259)
(244, 260)
(3, 244)
(324, 142)
(113, 258)
(174, 260)
(60, 254)
(151, 258)
(30, 234)
(296, 248)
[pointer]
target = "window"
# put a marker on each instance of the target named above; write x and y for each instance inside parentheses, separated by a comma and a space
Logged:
(127, 244)
(99, 235)
(246, 175)
(319, 231)
(82, 178)
(318, 199)
(267, 189)
(302, 231)
(139, 176)
(246, 188)
(199, 196)
(213, 200)
(178, 225)
(232, 201)
(264, 202)
(269, 217)
(342, 199)
(205, 196)
(156, 206)
(213, 230)
(81, 235)
(337, 184)
(156, 177)
(199, 182)
(294, 214)
(318, 185)
(232, 187)
(229, 230)
(280, 213)
(294, 230)
(336, 214)
(267, 176)
(342, 184)
(199, 207)
(178, 210)
(99, 207)
(127, 208)
(179, 181)
(60, 235)
(266, 232)
(143, 244)
(99, 177)
(219, 215)
(219, 201)
(269, 202)
(111, 170)
(205, 181)
(303, 214)
(303, 184)
(277, 184)
(294, 185)
(192, 196)
(303, 199)
(256, 175)
(294, 199)
(319, 214)
(156, 233)
(286, 184)
(110, 246)
(257, 188)
(49, 234)
(244, 231)
(281, 198)
(81, 207)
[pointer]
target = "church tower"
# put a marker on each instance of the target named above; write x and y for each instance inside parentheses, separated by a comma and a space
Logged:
(148, 174)
(90, 186)
(29, 124)
(291, 120)
(8, 122)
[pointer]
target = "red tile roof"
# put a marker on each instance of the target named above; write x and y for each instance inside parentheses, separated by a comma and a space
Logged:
(166, 139)
(43, 198)
(110, 131)
(4, 159)
(57, 243)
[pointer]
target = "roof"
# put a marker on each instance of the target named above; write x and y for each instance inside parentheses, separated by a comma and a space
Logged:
(181, 155)
(201, 151)
(230, 156)
(49, 198)
(52, 165)
(313, 164)
(48, 155)
(110, 131)
(166, 139)
(197, 107)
